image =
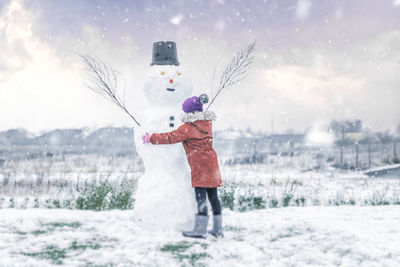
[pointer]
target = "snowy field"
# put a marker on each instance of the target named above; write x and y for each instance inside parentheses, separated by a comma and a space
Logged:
(245, 187)
(80, 212)
(294, 236)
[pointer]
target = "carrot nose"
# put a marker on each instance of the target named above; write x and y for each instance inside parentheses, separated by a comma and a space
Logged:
(171, 80)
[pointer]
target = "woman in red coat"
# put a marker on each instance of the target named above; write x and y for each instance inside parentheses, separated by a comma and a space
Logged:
(196, 137)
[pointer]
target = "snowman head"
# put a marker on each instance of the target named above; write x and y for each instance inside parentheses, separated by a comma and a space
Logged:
(166, 84)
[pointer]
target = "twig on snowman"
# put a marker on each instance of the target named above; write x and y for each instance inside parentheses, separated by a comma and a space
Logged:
(236, 70)
(103, 80)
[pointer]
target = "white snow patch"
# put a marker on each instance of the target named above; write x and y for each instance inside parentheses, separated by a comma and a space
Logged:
(383, 168)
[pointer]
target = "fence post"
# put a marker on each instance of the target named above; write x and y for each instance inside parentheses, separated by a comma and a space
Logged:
(357, 167)
(341, 147)
(369, 154)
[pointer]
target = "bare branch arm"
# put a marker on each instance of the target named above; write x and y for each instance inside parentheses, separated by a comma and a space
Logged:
(103, 80)
(236, 70)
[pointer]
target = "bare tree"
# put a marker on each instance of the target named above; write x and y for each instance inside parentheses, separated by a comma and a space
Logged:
(236, 70)
(103, 80)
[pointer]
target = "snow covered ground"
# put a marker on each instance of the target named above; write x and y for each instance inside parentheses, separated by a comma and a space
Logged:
(274, 215)
(293, 236)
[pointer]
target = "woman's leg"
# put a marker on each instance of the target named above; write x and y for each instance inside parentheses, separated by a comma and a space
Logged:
(201, 200)
(214, 200)
(217, 217)
(201, 218)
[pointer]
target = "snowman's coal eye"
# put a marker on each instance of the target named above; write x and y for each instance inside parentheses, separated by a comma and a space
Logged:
(163, 72)
(179, 73)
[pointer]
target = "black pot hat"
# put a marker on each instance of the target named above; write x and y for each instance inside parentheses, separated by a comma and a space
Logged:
(164, 53)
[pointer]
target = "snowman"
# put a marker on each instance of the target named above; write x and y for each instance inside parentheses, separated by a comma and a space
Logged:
(164, 197)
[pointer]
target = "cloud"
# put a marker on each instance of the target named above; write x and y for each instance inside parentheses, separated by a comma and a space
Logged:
(43, 89)
(15, 29)
(311, 87)
(301, 86)
(347, 68)
(32, 87)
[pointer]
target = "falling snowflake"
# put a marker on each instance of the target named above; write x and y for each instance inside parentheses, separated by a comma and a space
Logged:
(176, 20)
(303, 9)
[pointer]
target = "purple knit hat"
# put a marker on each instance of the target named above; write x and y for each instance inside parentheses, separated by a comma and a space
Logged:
(192, 104)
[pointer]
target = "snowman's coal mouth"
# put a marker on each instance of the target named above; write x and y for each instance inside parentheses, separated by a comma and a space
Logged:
(171, 89)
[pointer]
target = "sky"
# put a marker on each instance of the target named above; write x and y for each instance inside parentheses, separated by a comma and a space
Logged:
(315, 61)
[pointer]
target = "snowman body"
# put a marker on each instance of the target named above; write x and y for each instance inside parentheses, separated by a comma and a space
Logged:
(164, 197)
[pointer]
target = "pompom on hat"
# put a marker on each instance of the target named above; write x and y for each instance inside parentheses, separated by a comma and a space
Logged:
(194, 103)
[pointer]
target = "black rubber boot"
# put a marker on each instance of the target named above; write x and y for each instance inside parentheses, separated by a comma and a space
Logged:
(200, 227)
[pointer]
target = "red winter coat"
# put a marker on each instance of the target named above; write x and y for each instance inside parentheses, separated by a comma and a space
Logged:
(196, 136)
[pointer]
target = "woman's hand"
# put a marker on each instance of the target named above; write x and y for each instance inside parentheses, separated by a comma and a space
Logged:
(146, 138)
